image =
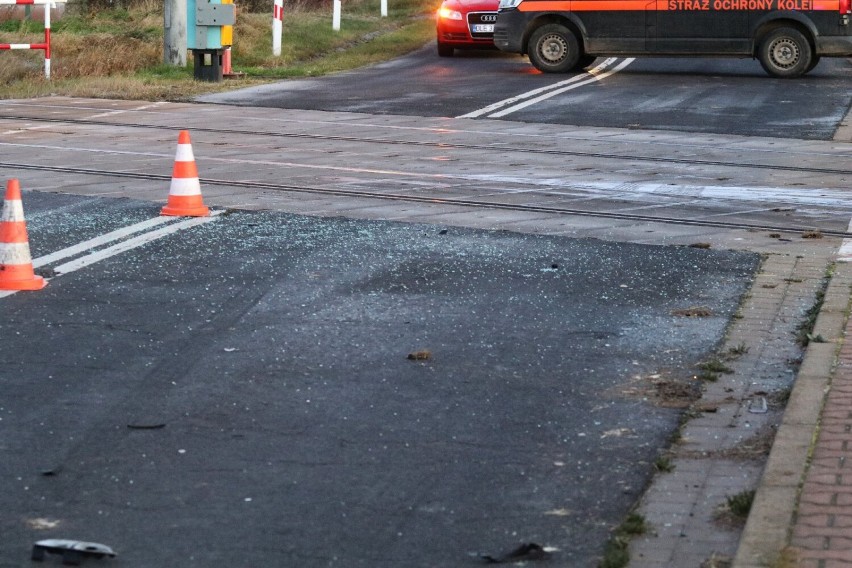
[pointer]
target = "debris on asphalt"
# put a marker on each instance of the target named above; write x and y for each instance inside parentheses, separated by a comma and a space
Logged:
(815, 234)
(718, 561)
(526, 551)
(617, 433)
(694, 312)
(700, 245)
(153, 426)
(421, 355)
(41, 523)
(73, 551)
(758, 405)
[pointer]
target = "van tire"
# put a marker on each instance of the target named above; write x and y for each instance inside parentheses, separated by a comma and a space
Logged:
(814, 63)
(785, 52)
(553, 48)
(585, 61)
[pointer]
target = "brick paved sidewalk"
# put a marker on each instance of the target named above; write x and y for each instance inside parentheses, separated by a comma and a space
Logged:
(822, 534)
(802, 512)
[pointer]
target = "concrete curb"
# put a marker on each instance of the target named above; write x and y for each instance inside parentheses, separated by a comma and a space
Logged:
(767, 531)
(844, 130)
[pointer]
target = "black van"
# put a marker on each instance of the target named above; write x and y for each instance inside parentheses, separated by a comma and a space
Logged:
(787, 36)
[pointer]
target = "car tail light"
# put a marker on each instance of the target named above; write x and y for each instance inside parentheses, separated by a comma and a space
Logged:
(845, 6)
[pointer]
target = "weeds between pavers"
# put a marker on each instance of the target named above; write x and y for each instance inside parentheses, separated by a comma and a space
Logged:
(616, 554)
(740, 504)
(664, 464)
(804, 331)
(734, 512)
(707, 376)
(737, 351)
(715, 366)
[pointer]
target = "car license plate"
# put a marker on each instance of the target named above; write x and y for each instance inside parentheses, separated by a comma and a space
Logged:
(482, 28)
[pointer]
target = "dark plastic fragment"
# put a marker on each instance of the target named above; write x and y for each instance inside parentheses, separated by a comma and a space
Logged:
(73, 551)
(526, 551)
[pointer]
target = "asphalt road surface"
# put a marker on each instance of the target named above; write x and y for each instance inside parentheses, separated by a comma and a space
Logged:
(239, 393)
(730, 96)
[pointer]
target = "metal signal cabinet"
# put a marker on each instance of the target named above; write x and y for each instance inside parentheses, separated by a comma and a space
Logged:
(208, 32)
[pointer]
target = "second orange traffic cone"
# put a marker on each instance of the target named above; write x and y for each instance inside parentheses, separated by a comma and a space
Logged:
(16, 265)
(185, 191)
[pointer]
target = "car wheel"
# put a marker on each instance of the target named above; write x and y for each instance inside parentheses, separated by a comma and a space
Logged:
(445, 50)
(553, 48)
(785, 52)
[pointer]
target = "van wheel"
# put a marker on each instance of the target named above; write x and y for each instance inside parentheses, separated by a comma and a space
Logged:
(814, 63)
(585, 61)
(785, 52)
(553, 48)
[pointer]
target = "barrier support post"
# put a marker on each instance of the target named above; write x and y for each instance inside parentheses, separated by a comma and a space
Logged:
(45, 45)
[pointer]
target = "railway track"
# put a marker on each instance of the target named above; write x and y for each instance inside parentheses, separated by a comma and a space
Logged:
(473, 203)
(481, 203)
(451, 145)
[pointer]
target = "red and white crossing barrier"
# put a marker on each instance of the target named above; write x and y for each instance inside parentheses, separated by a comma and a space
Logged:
(45, 45)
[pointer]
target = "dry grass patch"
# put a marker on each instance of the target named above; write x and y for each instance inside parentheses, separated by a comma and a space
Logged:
(115, 49)
(101, 55)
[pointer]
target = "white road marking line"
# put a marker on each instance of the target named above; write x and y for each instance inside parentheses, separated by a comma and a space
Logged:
(101, 240)
(100, 115)
(551, 94)
(133, 243)
(512, 100)
(844, 253)
(125, 110)
(93, 150)
(118, 248)
(26, 129)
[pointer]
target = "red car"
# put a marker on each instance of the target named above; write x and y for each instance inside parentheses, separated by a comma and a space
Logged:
(465, 24)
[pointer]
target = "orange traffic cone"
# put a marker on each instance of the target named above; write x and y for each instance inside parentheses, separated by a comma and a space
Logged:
(16, 265)
(185, 191)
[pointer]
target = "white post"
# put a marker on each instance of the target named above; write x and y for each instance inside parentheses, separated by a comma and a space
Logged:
(335, 18)
(277, 25)
(384, 8)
